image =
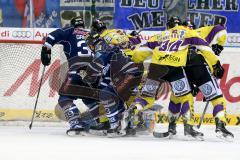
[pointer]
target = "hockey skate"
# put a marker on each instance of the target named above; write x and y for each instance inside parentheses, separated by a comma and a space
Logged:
(127, 122)
(221, 131)
(76, 130)
(77, 127)
(172, 129)
(100, 129)
(190, 132)
(115, 130)
(169, 134)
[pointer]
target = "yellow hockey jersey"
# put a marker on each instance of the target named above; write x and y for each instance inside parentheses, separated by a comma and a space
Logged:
(170, 47)
(213, 34)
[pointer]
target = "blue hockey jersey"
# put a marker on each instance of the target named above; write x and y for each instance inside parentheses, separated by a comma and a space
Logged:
(72, 39)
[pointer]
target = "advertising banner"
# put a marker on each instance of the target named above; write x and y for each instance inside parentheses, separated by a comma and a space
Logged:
(124, 14)
(152, 14)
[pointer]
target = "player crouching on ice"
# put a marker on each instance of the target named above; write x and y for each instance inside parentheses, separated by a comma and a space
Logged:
(78, 55)
(117, 71)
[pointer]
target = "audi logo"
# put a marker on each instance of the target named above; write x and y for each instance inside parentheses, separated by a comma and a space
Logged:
(21, 34)
(233, 39)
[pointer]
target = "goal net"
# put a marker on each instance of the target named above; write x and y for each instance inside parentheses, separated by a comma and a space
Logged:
(21, 69)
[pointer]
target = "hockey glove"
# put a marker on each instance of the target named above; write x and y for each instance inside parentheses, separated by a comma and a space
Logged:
(217, 49)
(218, 70)
(46, 56)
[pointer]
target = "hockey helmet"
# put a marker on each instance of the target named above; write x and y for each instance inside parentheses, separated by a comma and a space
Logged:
(98, 25)
(173, 21)
(77, 22)
(188, 23)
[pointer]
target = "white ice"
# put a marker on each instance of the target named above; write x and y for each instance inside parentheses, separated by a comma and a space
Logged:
(51, 143)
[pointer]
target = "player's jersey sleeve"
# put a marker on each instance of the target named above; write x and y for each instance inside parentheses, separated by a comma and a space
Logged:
(153, 41)
(57, 36)
(135, 40)
(193, 38)
(114, 37)
(139, 54)
(213, 34)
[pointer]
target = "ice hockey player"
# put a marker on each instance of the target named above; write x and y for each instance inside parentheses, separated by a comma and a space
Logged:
(170, 50)
(195, 69)
(198, 67)
(77, 52)
(110, 61)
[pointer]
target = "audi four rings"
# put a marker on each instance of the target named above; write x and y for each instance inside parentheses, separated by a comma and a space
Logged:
(21, 34)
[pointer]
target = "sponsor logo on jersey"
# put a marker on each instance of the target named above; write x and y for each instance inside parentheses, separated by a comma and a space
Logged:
(170, 58)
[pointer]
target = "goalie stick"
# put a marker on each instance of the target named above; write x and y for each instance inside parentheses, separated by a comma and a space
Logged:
(35, 106)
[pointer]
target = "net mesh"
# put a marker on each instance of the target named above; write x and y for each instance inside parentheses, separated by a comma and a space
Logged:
(20, 69)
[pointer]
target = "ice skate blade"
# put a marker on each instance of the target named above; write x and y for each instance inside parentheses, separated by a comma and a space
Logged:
(120, 133)
(172, 136)
(199, 138)
(98, 132)
(161, 134)
(76, 133)
(228, 138)
(130, 132)
(112, 135)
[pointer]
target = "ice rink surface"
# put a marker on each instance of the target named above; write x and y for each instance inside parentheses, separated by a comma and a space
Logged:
(51, 143)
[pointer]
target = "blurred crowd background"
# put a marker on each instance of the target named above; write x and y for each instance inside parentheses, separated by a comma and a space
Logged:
(125, 14)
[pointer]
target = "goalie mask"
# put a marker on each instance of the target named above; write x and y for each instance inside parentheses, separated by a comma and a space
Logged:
(173, 21)
(77, 22)
(98, 25)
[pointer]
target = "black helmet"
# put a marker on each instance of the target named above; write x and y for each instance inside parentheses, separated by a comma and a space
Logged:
(173, 21)
(98, 25)
(77, 22)
(188, 23)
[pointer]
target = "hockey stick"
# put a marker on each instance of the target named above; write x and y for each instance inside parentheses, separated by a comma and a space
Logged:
(35, 106)
(202, 116)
